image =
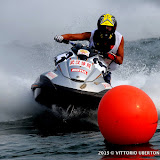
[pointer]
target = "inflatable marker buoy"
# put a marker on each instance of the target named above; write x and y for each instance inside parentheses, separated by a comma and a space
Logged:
(127, 115)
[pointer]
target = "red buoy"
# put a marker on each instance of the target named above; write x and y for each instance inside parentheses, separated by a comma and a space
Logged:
(127, 115)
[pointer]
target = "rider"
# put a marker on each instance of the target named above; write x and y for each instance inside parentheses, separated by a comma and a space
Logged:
(105, 39)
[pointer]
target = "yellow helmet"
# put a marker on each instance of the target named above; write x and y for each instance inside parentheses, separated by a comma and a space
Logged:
(106, 20)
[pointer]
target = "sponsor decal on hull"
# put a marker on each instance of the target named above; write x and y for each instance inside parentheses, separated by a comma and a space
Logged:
(106, 85)
(83, 52)
(51, 75)
(79, 70)
(80, 63)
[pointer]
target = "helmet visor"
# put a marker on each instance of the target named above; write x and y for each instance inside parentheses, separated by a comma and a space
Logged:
(106, 29)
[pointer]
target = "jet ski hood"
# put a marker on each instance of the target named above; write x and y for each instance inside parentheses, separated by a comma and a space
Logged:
(79, 69)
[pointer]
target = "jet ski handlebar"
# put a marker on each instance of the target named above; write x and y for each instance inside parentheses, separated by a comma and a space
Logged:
(75, 44)
(69, 42)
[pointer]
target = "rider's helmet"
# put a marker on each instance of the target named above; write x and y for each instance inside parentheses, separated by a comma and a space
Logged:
(107, 20)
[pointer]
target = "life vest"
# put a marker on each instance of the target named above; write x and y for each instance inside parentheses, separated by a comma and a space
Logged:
(111, 48)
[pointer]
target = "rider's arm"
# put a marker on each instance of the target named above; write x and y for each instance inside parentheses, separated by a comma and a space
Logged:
(120, 53)
(78, 36)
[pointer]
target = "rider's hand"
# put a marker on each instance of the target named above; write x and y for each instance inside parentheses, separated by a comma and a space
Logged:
(111, 56)
(58, 38)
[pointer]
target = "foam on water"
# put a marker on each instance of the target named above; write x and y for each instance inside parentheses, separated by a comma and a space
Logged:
(29, 48)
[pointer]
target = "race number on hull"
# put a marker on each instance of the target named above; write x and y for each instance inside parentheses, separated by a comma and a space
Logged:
(80, 63)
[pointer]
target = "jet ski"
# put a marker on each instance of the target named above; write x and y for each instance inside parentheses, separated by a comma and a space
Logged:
(77, 79)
